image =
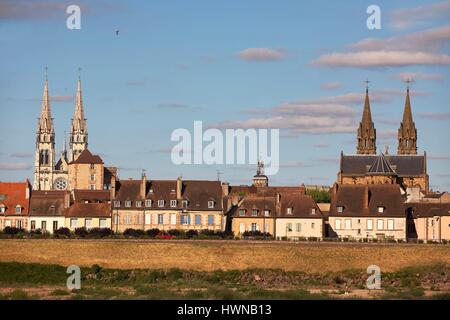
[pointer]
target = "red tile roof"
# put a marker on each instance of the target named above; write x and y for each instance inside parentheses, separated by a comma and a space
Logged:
(13, 194)
(94, 210)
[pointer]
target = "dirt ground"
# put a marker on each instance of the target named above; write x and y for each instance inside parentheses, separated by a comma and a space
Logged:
(226, 255)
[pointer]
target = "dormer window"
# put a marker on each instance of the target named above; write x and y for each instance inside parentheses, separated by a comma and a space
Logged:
(2, 208)
(380, 209)
(340, 209)
(117, 204)
(160, 203)
(18, 209)
(267, 213)
(92, 166)
(211, 204)
(254, 212)
(242, 213)
(173, 203)
(289, 211)
(128, 204)
(184, 203)
(148, 203)
(313, 211)
(138, 204)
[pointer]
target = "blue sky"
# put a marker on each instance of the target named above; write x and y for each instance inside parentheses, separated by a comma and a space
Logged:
(294, 65)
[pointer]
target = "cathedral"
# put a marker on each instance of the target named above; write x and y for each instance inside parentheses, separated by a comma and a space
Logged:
(75, 169)
(406, 168)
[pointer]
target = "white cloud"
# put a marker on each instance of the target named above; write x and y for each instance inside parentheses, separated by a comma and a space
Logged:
(404, 18)
(261, 54)
(331, 86)
(444, 116)
(427, 40)
(14, 166)
(21, 155)
(369, 59)
(405, 76)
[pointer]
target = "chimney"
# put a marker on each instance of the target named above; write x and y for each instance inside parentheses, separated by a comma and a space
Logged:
(278, 198)
(143, 186)
(366, 196)
(179, 187)
(225, 189)
(113, 186)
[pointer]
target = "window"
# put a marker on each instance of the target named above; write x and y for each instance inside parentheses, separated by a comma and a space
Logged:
(117, 204)
(313, 211)
(289, 227)
(391, 224)
(298, 227)
(148, 218)
(359, 221)
(127, 219)
(184, 203)
(266, 227)
(173, 219)
(173, 203)
(369, 224)
(242, 212)
(88, 223)
(55, 225)
(198, 219)
(184, 219)
(73, 222)
(102, 223)
(127, 204)
(254, 227)
(18, 209)
(241, 227)
(92, 177)
(160, 203)
(2, 208)
(210, 220)
(211, 204)
(138, 204)
(380, 224)
(359, 232)
(33, 225)
(116, 219)
(289, 211)
(380, 209)
(313, 225)
(160, 218)
(138, 219)
(338, 224)
(8, 223)
(254, 212)
(92, 186)
(148, 203)
(19, 224)
(348, 224)
(266, 213)
(92, 166)
(340, 209)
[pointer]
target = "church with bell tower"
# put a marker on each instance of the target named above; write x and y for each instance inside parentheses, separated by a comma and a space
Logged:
(50, 174)
(407, 168)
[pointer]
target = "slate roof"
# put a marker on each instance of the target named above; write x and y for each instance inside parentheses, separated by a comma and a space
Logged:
(47, 203)
(404, 165)
(302, 207)
(81, 196)
(429, 209)
(364, 200)
(87, 157)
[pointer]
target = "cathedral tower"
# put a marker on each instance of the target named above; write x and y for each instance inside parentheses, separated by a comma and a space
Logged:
(45, 146)
(407, 133)
(78, 131)
(367, 133)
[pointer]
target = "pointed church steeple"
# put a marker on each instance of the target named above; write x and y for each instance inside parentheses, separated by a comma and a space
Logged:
(45, 145)
(407, 133)
(366, 131)
(78, 131)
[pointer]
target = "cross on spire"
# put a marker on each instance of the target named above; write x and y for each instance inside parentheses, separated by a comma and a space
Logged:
(79, 73)
(46, 73)
(367, 84)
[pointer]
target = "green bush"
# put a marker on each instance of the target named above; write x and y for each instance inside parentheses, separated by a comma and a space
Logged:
(100, 232)
(65, 232)
(135, 233)
(319, 196)
(13, 230)
(152, 232)
(81, 232)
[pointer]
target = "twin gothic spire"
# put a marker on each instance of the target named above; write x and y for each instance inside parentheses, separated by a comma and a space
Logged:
(407, 133)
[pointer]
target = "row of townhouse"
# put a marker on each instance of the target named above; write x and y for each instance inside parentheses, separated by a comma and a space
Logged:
(375, 211)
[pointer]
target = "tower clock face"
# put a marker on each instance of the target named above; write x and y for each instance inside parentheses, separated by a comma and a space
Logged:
(60, 184)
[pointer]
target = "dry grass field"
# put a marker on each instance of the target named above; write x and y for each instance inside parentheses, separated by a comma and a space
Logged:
(225, 255)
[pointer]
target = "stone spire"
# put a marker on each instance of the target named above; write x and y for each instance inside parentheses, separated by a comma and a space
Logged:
(407, 133)
(366, 131)
(78, 131)
(45, 123)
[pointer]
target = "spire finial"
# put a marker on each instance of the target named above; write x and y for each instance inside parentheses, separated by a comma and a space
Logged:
(408, 84)
(367, 85)
(79, 73)
(46, 73)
